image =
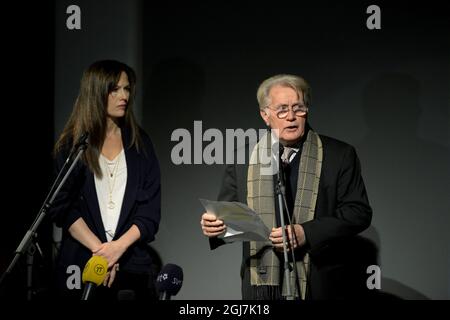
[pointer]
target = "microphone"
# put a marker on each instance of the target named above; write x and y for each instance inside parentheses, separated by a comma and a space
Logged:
(81, 143)
(280, 174)
(93, 275)
(169, 281)
(280, 152)
(82, 140)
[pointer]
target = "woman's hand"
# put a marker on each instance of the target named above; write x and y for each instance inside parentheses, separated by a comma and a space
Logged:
(111, 275)
(111, 251)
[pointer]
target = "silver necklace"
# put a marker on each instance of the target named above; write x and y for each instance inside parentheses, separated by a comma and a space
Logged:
(112, 175)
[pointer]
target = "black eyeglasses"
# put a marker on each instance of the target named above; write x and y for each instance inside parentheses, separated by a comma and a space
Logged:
(283, 110)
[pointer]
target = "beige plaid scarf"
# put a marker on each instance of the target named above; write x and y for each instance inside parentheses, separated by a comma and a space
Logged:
(264, 263)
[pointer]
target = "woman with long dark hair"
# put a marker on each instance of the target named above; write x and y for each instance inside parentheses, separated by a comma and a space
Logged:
(110, 205)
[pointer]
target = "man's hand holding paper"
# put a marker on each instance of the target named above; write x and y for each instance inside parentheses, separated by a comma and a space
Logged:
(211, 226)
(232, 221)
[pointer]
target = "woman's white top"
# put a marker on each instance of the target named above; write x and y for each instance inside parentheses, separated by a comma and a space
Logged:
(110, 191)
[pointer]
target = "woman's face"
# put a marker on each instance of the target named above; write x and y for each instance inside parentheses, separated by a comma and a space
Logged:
(118, 98)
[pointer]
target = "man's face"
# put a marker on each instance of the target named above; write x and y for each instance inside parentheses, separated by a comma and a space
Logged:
(292, 127)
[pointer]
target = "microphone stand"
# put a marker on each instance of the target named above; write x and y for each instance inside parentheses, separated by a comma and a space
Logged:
(280, 190)
(29, 242)
(281, 194)
(294, 261)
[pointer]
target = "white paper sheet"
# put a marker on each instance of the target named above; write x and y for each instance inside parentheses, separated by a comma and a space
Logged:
(243, 224)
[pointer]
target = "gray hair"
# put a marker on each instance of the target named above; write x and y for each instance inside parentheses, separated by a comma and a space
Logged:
(285, 80)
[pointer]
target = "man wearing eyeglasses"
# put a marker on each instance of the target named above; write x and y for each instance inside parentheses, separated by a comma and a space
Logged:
(326, 202)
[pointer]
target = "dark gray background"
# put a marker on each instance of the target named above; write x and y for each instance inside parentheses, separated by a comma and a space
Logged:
(387, 92)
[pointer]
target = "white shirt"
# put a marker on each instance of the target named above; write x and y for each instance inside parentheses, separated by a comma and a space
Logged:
(275, 153)
(110, 191)
(293, 154)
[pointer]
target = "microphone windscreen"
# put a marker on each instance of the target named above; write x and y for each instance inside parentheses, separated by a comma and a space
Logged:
(95, 270)
(170, 279)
